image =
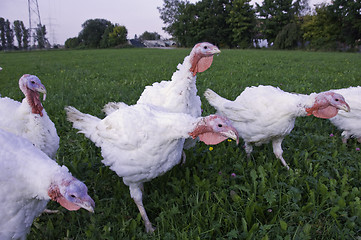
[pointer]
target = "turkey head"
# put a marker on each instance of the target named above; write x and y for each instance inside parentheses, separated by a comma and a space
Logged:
(72, 194)
(201, 57)
(31, 86)
(327, 104)
(214, 129)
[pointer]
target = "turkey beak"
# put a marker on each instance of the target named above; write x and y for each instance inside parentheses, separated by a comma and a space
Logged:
(345, 107)
(87, 204)
(41, 89)
(215, 50)
(232, 134)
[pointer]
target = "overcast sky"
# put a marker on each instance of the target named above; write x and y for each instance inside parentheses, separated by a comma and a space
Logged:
(63, 18)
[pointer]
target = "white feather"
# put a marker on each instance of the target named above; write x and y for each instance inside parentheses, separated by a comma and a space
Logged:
(25, 176)
(180, 93)
(144, 141)
(177, 95)
(141, 142)
(138, 142)
(18, 118)
(265, 113)
(349, 122)
(262, 113)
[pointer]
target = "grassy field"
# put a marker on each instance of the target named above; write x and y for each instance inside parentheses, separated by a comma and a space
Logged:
(218, 193)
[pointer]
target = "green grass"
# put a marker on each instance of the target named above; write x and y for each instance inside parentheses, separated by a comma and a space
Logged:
(319, 198)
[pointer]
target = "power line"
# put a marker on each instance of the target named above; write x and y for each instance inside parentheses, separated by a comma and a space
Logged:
(51, 29)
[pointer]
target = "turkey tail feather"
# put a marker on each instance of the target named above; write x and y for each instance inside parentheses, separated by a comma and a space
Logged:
(214, 99)
(84, 122)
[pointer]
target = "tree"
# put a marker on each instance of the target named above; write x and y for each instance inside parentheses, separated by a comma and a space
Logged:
(72, 42)
(334, 25)
(170, 13)
(99, 33)
(149, 36)
(2, 33)
(118, 36)
(40, 36)
(204, 21)
(177, 16)
(25, 32)
(347, 14)
(92, 32)
(113, 36)
(212, 22)
(18, 32)
(185, 28)
(288, 37)
(301, 8)
(9, 33)
(276, 15)
(321, 29)
(242, 20)
(104, 41)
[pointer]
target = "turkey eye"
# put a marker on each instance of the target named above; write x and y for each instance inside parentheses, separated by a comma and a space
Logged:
(205, 47)
(336, 99)
(32, 82)
(73, 196)
(219, 125)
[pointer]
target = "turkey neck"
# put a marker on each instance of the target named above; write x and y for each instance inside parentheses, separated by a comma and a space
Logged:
(185, 90)
(304, 102)
(177, 125)
(184, 74)
(193, 60)
(33, 99)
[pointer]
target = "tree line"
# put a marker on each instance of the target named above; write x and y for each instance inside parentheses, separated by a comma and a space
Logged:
(98, 33)
(101, 33)
(285, 24)
(17, 31)
(95, 33)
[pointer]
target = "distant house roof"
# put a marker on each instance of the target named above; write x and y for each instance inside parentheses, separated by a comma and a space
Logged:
(152, 43)
(136, 43)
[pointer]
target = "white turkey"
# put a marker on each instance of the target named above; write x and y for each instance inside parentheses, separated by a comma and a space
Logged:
(265, 113)
(141, 142)
(179, 94)
(28, 180)
(349, 122)
(28, 118)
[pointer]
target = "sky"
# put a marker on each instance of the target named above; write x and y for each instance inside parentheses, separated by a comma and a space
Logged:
(63, 18)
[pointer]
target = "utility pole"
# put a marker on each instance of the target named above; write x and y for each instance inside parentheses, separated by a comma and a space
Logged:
(34, 22)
